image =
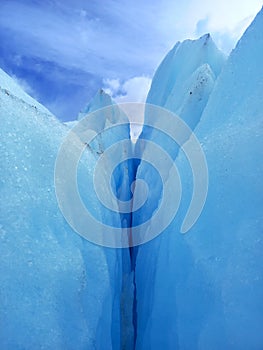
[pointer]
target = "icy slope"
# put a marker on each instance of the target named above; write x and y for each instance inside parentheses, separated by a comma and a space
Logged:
(57, 290)
(10, 86)
(203, 290)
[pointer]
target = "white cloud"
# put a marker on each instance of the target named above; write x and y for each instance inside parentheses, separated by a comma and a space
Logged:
(135, 90)
(132, 90)
(112, 86)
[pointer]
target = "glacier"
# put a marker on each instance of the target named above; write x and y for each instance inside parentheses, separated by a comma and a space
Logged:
(198, 290)
(203, 290)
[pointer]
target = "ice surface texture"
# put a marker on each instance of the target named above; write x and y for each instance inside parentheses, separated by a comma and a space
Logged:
(203, 290)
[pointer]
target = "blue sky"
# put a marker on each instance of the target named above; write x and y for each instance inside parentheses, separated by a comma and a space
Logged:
(62, 51)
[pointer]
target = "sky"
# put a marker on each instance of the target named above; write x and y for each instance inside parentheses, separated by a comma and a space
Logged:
(62, 51)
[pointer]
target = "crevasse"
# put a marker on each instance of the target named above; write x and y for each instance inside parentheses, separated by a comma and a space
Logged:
(201, 290)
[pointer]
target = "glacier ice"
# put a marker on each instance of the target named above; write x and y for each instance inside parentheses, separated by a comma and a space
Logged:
(182, 84)
(185, 78)
(203, 290)
(57, 289)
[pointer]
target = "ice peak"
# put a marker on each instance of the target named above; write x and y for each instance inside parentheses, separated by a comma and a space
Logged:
(206, 38)
(100, 100)
(179, 65)
(107, 117)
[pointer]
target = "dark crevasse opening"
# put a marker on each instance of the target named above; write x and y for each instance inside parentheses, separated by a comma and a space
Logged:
(123, 181)
(133, 256)
(134, 308)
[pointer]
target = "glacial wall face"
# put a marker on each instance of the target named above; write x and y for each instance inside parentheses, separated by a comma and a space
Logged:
(202, 290)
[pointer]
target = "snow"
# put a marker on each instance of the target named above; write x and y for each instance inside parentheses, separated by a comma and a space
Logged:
(202, 290)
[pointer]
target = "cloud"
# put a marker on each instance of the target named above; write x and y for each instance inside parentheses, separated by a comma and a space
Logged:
(131, 90)
(123, 41)
(101, 42)
(83, 31)
(112, 87)
(224, 16)
(225, 37)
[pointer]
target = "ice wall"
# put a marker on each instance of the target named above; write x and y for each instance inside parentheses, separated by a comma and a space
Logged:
(203, 290)
(57, 289)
